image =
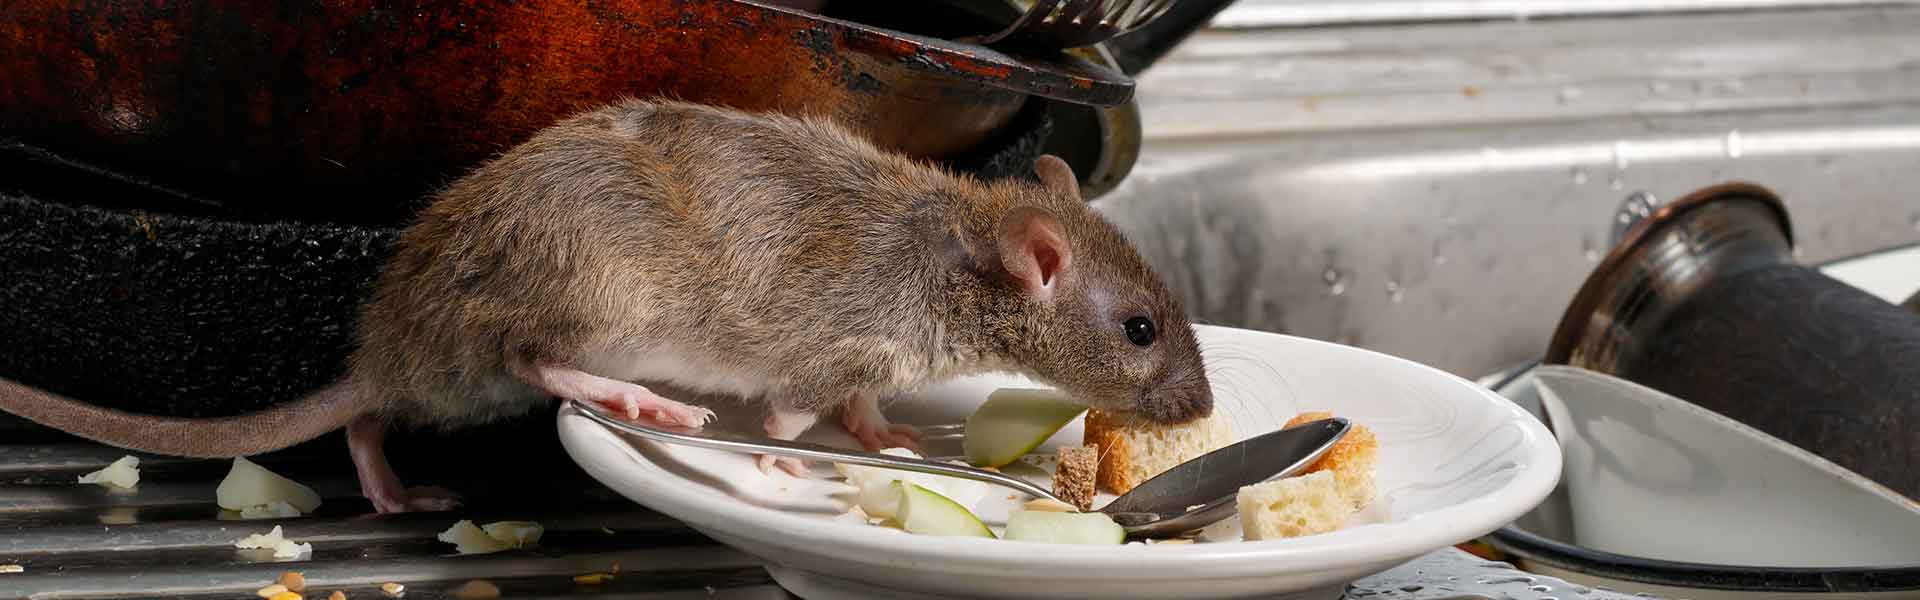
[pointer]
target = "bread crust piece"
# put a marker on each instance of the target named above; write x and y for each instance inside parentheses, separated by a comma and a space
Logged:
(1352, 459)
(1073, 478)
(1129, 455)
(1115, 455)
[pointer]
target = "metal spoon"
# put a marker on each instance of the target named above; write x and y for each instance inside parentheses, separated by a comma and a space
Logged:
(1192, 495)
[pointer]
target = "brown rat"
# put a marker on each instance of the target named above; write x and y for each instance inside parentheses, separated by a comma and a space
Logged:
(773, 258)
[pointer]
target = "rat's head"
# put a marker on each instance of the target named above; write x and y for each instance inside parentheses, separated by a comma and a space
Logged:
(1087, 315)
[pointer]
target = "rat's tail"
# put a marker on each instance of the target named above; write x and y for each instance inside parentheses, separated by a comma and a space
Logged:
(325, 410)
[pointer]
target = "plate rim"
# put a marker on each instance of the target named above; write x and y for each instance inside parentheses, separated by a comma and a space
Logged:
(1532, 481)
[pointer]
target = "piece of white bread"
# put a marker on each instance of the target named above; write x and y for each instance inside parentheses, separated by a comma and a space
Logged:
(1292, 507)
(1133, 449)
(1351, 460)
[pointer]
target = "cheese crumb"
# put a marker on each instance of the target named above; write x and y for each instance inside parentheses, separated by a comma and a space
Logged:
(279, 509)
(123, 473)
(282, 547)
(270, 591)
(393, 590)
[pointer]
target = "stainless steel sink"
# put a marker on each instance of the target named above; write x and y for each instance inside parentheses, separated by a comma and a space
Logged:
(1438, 189)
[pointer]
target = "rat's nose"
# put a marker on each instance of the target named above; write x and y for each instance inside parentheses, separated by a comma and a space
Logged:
(1180, 399)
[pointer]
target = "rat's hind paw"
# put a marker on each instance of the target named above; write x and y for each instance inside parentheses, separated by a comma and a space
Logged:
(417, 499)
(431, 499)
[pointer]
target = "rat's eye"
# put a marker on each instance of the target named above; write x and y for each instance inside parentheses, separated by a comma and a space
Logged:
(1139, 331)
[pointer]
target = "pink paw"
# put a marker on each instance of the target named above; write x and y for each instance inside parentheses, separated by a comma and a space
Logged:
(793, 466)
(418, 499)
(877, 437)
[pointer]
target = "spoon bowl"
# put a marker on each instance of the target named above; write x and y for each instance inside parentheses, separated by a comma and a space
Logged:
(1191, 495)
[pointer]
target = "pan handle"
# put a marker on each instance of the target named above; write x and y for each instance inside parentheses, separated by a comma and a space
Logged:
(1140, 48)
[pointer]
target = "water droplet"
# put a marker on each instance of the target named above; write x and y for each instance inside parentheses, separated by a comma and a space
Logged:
(1410, 588)
(1338, 288)
(1569, 95)
(1394, 294)
(1620, 155)
(1658, 88)
(1733, 144)
(1589, 249)
(1616, 184)
(1581, 589)
(1541, 588)
(1579, 175)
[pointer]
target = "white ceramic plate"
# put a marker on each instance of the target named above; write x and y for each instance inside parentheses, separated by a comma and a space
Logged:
(1456, 461)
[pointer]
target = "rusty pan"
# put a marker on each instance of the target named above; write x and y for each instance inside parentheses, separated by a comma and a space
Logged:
(350, 111)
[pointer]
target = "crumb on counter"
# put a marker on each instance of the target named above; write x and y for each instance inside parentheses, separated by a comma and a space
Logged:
(123, 473)
(294, 581)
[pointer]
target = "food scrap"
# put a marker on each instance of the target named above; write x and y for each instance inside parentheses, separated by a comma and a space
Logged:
(251, 486)
(592, 578)
(337, 595)
(393, 590)
(123, 473)
(270, 591)
(282, 547)
(468, 538)
(294, 581)
(277, 509)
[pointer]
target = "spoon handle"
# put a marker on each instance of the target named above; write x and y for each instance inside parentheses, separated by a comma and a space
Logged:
(723, 440)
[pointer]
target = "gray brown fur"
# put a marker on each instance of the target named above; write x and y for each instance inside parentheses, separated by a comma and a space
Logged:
(776, 248)
(788, 252)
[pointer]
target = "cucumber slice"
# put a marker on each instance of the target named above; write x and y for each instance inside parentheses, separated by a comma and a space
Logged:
(1093, 529)
(926, 512)
(1013, 422)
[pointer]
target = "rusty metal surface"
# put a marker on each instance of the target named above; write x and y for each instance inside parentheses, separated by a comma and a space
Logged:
(349, 111)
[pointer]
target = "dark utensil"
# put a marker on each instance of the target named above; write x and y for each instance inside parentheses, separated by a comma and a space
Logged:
(1702, 300)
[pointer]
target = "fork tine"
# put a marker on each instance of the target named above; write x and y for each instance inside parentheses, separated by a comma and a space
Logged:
(1153, 10)
(1077, 10)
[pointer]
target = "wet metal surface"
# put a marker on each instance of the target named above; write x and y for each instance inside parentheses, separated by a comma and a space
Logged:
(1438, 191)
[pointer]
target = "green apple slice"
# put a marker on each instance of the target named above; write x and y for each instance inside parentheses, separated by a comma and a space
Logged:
(1094, 529)
(1013, 422)
(926, 512)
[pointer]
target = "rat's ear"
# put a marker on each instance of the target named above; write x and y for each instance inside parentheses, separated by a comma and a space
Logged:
(1034, 250)
(1056, 175)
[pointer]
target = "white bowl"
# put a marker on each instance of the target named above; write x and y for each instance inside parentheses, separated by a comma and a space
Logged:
(1456, 461)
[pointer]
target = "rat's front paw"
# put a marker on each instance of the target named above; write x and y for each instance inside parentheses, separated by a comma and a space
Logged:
(793, 466)
(877, 434)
